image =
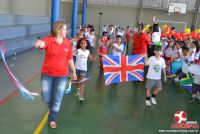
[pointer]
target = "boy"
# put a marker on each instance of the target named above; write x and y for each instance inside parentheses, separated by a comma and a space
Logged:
(156, 64)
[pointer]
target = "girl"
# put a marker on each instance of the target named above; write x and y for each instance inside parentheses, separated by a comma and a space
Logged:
(54, 75)
(168, 56)
(82, 55)
(193, 48)
(197, 55)
(176, 52)
(92, 40)
(118, 47)
(185, 58)
(128, 35)
(74, 43)
(104, 43)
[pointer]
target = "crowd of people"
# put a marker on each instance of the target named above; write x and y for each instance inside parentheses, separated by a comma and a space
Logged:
(161, 52)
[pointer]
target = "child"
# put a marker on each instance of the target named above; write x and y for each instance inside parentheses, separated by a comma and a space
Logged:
(185, 58)
(195, 88)
(118, 47)
(128, 35)
(92, 40)
(86, 32)
(74, 43)
(103, 48)
(193, 48)
(185, 55)
(82, 55)
(197, 55)
(156, 64)
(176, 52)
(168, 56)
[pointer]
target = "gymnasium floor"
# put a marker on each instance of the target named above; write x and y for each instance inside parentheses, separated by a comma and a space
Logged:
(116, 109)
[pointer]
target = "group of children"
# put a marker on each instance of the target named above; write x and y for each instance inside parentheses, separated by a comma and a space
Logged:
(185, 52)
(83, 46)
(173, 54)
(114, 41)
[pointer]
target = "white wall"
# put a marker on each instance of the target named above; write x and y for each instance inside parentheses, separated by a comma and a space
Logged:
(24, 7)
(111, 15)
(5, 6)
(129, 15)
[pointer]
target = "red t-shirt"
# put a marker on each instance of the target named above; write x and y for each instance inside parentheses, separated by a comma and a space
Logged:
(56, 57)
(128, 35)
(140, 43)
(102, 46)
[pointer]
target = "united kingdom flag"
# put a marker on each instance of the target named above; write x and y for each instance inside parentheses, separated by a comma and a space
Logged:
(123, 68)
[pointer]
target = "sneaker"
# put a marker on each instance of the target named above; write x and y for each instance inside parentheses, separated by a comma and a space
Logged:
(81, 98)
(192, 100)
(153, 100)
(148, 103)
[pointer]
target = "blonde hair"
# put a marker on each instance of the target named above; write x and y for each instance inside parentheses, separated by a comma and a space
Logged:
(58, 25)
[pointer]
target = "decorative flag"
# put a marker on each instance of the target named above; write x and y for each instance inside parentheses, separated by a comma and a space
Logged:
(123, 68)
(186, 83)
(24, 92)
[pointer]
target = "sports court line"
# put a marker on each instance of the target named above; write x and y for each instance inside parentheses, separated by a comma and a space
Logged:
(12, 94)
(41, 125)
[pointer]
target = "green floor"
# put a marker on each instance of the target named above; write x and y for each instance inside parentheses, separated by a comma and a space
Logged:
(116, 109)
(120, 109)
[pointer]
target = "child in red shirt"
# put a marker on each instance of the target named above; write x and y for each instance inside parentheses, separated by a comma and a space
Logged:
(104, 43)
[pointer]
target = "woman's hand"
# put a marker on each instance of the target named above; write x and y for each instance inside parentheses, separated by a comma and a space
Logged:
(74, 77)
(39, 44)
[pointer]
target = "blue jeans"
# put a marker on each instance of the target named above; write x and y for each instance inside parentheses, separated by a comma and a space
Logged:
(53, 89)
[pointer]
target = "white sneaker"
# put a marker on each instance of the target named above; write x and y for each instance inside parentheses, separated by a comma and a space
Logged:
(148, 103)
(81, 98)
(153, 100)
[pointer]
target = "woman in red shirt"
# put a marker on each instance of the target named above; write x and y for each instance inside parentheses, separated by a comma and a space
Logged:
(140, 40)
(54, 75)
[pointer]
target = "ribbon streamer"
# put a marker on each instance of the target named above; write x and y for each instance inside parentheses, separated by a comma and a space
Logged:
(83, 80)
(24, 92)
(69, 88)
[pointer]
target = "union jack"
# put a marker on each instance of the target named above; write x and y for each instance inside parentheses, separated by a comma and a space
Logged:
(123, 68)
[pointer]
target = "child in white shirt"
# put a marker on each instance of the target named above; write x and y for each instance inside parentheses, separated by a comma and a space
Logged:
(118, 47)
(92, 40)
(156, 64)
(82, 55)
(193, 48)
